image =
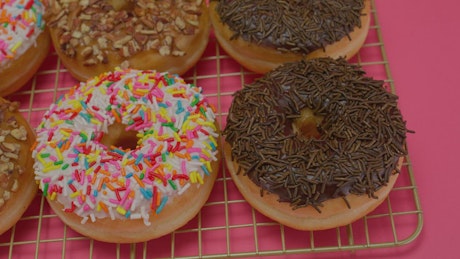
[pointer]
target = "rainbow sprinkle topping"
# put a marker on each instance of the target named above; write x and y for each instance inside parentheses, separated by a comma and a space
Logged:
(20, 24)
(176, 144)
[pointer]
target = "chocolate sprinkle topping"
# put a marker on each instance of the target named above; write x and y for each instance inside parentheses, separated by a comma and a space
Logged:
(299, 26)
(361, 134)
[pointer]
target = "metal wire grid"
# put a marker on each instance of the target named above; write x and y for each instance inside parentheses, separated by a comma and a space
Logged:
(226, 226)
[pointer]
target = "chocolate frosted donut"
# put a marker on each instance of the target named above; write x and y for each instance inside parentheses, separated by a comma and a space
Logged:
(316, 130)
(264, 34)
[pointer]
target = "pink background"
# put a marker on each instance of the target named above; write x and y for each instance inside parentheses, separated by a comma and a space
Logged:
(422, 42)
(421, 45)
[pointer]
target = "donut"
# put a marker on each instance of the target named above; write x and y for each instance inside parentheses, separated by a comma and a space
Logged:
(128, 156)
(92, 37)
(17, 184)
(315, 144)
(24, 43)
(263, 35)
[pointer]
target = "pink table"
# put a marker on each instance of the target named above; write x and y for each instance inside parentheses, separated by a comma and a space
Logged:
(423, 50)
(228, 227)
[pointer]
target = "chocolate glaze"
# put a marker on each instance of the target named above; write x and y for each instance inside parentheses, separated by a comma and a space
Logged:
(362, 134)
(299, 26)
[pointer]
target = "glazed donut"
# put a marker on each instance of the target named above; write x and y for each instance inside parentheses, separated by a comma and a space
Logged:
(319, 140)
(17, 184)
(92, 37)
(294, 30)
(128, 156)
(24, 43)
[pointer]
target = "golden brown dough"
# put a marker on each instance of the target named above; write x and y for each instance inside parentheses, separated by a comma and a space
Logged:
(334, 213)
(171, 218)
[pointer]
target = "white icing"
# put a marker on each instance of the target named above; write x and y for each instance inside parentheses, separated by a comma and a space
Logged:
(20, 24)
(56, 168)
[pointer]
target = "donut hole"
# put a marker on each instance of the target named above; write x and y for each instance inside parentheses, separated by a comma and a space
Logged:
(120, 5)
(118, 136)
(306, 125)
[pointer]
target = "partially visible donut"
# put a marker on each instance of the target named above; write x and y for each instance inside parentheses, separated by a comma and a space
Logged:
(128, 156)
(24, 43)
(322, 142)
(265, 34)
(92, 37)
(17, 184)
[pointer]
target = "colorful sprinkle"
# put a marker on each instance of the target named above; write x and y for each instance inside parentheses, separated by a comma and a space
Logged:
(20, 24)
(174, 146)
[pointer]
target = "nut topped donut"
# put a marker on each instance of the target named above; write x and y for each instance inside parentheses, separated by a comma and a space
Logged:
(17, 184)
(92, 37)
(128, 156)
(320, 140)
(265, 34)
(24, 42)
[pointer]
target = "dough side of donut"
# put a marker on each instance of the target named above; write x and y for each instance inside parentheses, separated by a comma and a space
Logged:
(192, 45)
(180, 211)
(162, 139)
(20, 200)
(262, 59)
(334, 212)
(22, 69)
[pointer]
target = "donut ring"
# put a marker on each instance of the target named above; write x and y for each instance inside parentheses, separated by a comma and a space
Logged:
(120, 157)
(258, 50)
(17, 184)
(92, 37)
(320, 141)
(24, 43)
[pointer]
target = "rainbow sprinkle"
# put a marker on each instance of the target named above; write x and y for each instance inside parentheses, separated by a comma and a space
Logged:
(176, 145)
(20, 24)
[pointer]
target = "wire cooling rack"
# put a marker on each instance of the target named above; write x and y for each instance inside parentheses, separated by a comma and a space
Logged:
(226, 226)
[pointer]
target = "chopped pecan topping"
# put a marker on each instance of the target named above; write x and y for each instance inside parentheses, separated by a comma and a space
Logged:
(19, 133)
(125, 27)
(11, 135)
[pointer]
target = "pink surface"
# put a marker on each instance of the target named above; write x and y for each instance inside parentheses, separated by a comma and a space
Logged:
(422, 48)
(421, 51)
